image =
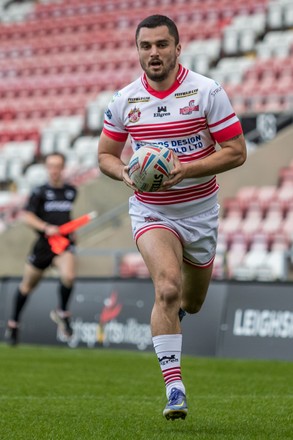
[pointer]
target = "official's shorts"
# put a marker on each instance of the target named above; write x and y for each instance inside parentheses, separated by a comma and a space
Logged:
(198, 234)
(41, 255)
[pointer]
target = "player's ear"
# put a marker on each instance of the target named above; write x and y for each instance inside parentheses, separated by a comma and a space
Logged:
(178, 50)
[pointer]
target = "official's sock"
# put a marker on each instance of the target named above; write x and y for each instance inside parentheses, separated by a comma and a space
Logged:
(19, 302)
(64, 294)
(168, 350)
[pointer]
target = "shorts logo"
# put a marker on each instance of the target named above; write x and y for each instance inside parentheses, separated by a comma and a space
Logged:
(191, 107)
(134, 115)
(150, 219)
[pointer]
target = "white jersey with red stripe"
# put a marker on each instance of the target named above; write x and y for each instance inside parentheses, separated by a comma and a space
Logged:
(189, 118)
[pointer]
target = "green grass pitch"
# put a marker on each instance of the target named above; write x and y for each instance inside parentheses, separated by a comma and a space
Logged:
(63, 394)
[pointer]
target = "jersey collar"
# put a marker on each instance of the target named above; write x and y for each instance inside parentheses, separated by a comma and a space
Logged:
(182, 72)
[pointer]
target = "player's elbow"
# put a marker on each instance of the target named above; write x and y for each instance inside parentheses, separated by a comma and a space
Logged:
(102, 161)
(241, 157)
(240, 153)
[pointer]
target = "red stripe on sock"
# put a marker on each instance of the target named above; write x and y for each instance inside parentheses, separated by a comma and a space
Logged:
(172, 375)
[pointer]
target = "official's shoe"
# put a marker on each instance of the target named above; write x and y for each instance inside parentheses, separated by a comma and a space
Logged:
(181, 314)
(12, 332)
(176, 407)
(62, 319)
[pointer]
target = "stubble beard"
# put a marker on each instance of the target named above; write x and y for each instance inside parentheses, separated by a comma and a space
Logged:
(160, 76)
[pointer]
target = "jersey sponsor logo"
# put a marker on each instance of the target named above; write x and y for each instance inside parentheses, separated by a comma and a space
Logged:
(178, 145)
(137, 145)
(193, 140)
(191, 107)
(217, 90)
(50, 195)
(69, 194)
(139, 99)
(108, 113)
(58, 205)
(162, 111)
(184, 94)
(116, 95)
(134, 115)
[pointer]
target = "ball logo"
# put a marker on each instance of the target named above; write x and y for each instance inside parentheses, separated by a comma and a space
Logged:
(150, 166)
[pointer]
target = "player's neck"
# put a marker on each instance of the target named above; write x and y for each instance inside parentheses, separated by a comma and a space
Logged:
(167, 83)
(56, 183)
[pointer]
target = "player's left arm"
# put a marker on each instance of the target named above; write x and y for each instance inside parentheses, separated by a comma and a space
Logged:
(225, 129)
(232, 154)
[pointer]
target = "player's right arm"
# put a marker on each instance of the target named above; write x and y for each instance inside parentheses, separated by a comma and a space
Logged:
(36, 223)
(109, 159)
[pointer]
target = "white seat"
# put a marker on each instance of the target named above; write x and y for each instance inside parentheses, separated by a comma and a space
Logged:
(96, 110)
(288, 14)
(85, 145)
(275, 16)
(72, 124)
(251, 262)
(3, 168)
(198, 54)
(47, 144)
(14, 169)
(231, 69)
(24, 150)
(35, 175)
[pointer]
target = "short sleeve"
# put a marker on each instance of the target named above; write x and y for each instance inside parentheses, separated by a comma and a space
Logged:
(113, 123)
(222, 121)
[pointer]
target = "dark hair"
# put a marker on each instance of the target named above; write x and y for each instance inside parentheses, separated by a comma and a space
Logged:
(55, 153)
(154, 21)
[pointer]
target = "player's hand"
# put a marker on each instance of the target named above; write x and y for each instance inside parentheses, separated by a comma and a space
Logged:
(176, 175)
(126, 179)
(51, 230)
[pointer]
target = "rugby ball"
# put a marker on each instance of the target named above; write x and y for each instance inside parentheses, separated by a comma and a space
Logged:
(150, 166)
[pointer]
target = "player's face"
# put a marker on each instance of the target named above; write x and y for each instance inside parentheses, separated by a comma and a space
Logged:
(55, 166)
(158, 54)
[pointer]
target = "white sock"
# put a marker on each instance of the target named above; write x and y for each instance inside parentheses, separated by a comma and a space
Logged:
(168, 350)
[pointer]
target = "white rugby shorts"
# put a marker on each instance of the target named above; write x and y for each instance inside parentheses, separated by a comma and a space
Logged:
(197, 234)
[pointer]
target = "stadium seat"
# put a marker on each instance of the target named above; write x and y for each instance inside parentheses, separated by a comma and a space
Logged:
(133, 265)
(23, 151)
(85, 149)
(35, 175)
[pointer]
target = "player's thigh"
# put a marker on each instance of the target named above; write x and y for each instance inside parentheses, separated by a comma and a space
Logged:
(162, 253)
(31, 277)
(66, 265)
(195, 286)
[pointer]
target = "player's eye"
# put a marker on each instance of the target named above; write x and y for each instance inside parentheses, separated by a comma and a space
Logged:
(145, 46)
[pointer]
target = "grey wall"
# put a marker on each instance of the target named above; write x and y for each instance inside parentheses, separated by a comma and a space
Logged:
(245, 320)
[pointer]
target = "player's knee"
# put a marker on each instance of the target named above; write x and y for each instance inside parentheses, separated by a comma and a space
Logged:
(168, 292)
(26, 288)
(68, 281)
